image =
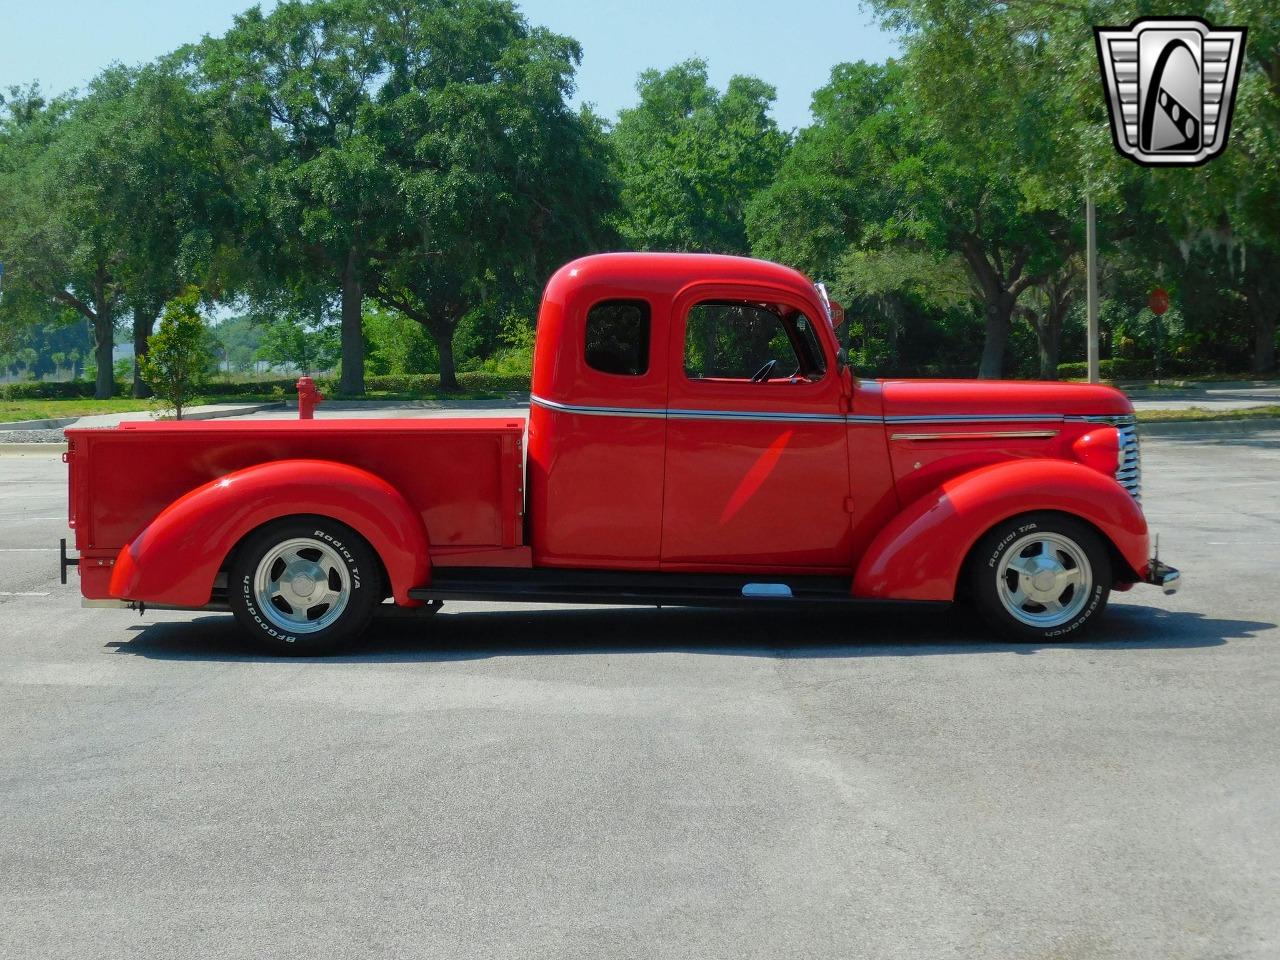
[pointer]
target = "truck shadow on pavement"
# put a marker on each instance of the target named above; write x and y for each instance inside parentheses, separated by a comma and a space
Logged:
(478, 634)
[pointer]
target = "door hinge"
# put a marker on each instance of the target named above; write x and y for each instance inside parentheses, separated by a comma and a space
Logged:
(848, 504)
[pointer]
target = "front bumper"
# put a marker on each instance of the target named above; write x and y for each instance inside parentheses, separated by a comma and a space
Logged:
(1163, 576)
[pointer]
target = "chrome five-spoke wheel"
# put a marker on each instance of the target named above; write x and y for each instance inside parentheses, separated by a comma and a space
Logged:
(1044, 579)
(302, 585)
(1040, 576)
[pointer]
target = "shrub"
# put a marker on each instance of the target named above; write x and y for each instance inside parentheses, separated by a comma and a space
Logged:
(178, 354)
(52, 390)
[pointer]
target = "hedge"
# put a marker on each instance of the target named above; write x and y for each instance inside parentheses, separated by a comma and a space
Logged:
(1128, 369)
(55, 390)
(413, 384)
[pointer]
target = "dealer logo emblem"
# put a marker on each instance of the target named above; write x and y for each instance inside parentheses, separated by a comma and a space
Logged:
(1171, 87)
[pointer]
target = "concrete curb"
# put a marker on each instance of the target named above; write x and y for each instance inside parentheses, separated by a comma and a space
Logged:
(1186, 428)
(50, 424)
(238, 410)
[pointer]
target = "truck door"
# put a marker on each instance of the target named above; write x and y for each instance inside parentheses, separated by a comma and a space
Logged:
(757, 470)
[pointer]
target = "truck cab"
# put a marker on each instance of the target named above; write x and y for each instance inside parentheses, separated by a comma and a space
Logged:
(690, 412)
(694, 436)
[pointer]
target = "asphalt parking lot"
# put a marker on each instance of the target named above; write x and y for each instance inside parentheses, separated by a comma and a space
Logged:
(636, 783)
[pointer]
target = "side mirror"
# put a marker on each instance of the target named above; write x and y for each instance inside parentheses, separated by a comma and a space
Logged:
(842, 358)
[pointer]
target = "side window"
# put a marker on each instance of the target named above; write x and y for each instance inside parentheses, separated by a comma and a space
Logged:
(755, 342)
(617, 338)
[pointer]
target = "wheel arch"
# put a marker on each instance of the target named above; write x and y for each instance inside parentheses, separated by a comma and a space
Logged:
(175, 559)
(922, 553)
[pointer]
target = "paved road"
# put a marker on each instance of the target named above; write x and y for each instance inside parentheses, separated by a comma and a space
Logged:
(606, 783)
(1210, 396)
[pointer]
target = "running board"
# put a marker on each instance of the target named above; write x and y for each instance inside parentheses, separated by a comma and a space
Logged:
(648, 590)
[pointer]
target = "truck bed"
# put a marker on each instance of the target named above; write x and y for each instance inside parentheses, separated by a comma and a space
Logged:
(463, 476)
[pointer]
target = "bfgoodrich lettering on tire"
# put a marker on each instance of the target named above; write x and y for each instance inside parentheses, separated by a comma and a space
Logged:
(304, 585)
(1040, 577)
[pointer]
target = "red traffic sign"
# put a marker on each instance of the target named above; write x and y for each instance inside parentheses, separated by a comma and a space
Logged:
(1158, 301)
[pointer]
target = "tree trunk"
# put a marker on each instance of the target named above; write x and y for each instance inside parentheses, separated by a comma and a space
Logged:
(144, 323)
(103, 345)
(444, 345)
(1264, 343)
(1048, 332)
(352, 381)
(999, 310)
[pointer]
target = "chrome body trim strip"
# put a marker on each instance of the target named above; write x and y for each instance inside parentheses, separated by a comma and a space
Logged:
(647, 412)
(980, 435)
(667, 413)
(1114, 419)
(755, 415)
(977, 418)
(656, 413)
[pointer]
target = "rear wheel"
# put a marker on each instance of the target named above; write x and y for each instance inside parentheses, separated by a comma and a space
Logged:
(304, 586)
(1041, 577)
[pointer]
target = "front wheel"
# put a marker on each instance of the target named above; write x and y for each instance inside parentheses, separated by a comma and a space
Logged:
(304, 586)
(1041, 576)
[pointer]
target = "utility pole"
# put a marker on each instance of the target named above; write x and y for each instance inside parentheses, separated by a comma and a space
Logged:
(1091, 271)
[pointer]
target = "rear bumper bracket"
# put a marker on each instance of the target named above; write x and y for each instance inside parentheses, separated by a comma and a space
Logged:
(64, 561)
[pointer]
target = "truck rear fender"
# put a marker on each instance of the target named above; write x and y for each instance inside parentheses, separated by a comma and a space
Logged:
(920, 553)
(177, 556)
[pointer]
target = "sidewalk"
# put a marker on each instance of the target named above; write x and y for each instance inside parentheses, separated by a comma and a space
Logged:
(514, 406)
(208, 411)
(1238, 395)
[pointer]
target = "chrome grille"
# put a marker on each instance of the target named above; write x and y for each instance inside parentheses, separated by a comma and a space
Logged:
(1129, 473)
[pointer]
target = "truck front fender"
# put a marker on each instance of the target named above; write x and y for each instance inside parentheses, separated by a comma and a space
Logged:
(920, 553)
(177, 556)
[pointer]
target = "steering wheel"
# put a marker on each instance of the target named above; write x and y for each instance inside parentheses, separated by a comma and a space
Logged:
(763, 373)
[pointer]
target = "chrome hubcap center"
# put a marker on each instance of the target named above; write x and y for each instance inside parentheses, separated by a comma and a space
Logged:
(1045, 582)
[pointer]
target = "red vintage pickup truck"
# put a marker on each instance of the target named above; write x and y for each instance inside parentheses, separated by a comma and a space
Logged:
(695, 437)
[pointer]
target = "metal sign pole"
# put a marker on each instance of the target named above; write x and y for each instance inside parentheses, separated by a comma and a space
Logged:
(1091, 258)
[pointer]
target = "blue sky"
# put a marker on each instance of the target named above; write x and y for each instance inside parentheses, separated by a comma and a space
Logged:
(790, 43)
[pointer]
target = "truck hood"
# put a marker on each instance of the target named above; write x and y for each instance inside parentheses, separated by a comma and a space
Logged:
(1001, 398)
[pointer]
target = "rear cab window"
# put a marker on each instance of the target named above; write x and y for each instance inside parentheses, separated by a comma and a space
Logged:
(617, 337)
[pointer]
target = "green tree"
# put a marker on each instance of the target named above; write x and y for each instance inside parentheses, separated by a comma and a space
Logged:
(308, 347)
(180, 197)
(691, 158)
(238, 340)
(178, 356)
(297, 85)
(59, 204)
(497, 181)
(396, 344)
(110, 203)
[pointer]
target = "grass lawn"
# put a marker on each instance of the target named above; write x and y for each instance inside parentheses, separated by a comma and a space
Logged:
(13, 410)
(1196, 413)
